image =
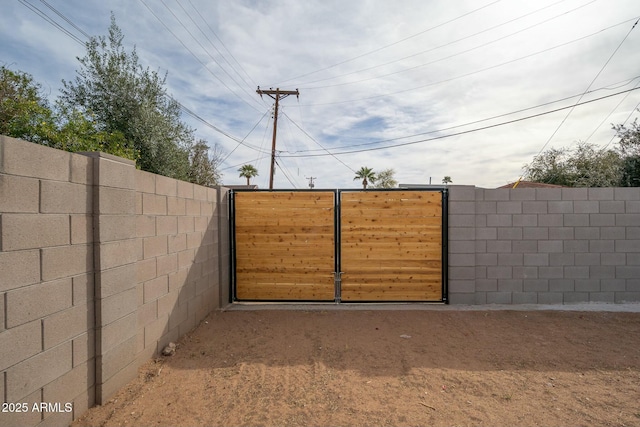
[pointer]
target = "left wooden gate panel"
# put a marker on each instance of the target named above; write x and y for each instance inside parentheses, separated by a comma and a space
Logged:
(284, 245)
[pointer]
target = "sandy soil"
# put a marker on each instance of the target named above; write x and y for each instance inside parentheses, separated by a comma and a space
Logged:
(365, 368)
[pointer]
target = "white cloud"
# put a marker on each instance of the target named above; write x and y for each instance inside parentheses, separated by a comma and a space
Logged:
(456, 76)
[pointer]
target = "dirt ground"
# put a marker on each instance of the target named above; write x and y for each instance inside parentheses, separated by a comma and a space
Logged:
(398, 368)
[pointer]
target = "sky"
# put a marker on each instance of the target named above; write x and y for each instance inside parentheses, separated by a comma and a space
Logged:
(471, 89)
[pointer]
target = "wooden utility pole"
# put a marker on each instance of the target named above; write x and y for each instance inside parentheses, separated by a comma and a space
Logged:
(311, 184)
(275, 94)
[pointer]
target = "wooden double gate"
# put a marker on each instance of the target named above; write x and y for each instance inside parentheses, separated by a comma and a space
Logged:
(345, 245)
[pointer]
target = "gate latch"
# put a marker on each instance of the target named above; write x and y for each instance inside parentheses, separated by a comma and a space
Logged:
(337, 281)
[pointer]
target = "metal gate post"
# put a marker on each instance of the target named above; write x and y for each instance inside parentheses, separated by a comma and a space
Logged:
(337, 273)
(232, 246)
(445, 245)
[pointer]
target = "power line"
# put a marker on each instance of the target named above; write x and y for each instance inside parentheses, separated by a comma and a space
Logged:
(215, 128)
(391, 44)
(253, 84)
(289, 141)
(470, 73)
(243, 139)
(626, 82)
(463, 132)
(199, 118)
(623, 123)
(588, 87)
(201, 46)
(264, 143)
(321, 146)
(285, 175)
(80, 30)
(609, 115)
(244, 163)
(194, 55)
(444, 45)
(44, 16)
(308, 167)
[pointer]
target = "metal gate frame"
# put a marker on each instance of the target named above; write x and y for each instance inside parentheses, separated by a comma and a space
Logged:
(338, 242)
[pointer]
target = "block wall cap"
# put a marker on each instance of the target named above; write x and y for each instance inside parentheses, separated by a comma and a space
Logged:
(99, 154)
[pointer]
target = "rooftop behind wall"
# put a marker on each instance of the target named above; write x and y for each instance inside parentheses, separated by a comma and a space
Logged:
(101, 265)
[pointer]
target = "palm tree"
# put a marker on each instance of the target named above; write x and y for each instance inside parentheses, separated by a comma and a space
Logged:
(446, 180)
(248, 171)
(366, 175)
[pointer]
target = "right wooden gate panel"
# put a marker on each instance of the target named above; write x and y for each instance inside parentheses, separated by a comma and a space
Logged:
(391, 246)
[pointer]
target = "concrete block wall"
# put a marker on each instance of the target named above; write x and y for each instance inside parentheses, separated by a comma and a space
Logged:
(177, 271)
(47, 319)
(115, 257)
(101, 265)
(544, 246)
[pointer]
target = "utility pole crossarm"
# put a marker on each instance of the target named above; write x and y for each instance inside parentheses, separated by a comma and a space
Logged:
(276, 94)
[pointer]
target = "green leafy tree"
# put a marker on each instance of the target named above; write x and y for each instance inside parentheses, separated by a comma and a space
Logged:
(548, 167)
(24, 111)
(590, 166)
(594, 167)
(204, 169)
(629, 148)
(386, 179)
(367, 175)
(25, 114)
(630, 172)
(76, 132)
(585, 166)
(126, 99)
(629, 138)
(248, 171)
(447, 180)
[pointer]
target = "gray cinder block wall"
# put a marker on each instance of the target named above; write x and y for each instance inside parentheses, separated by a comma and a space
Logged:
(47, 330)
(544, 246)
(101, 265)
